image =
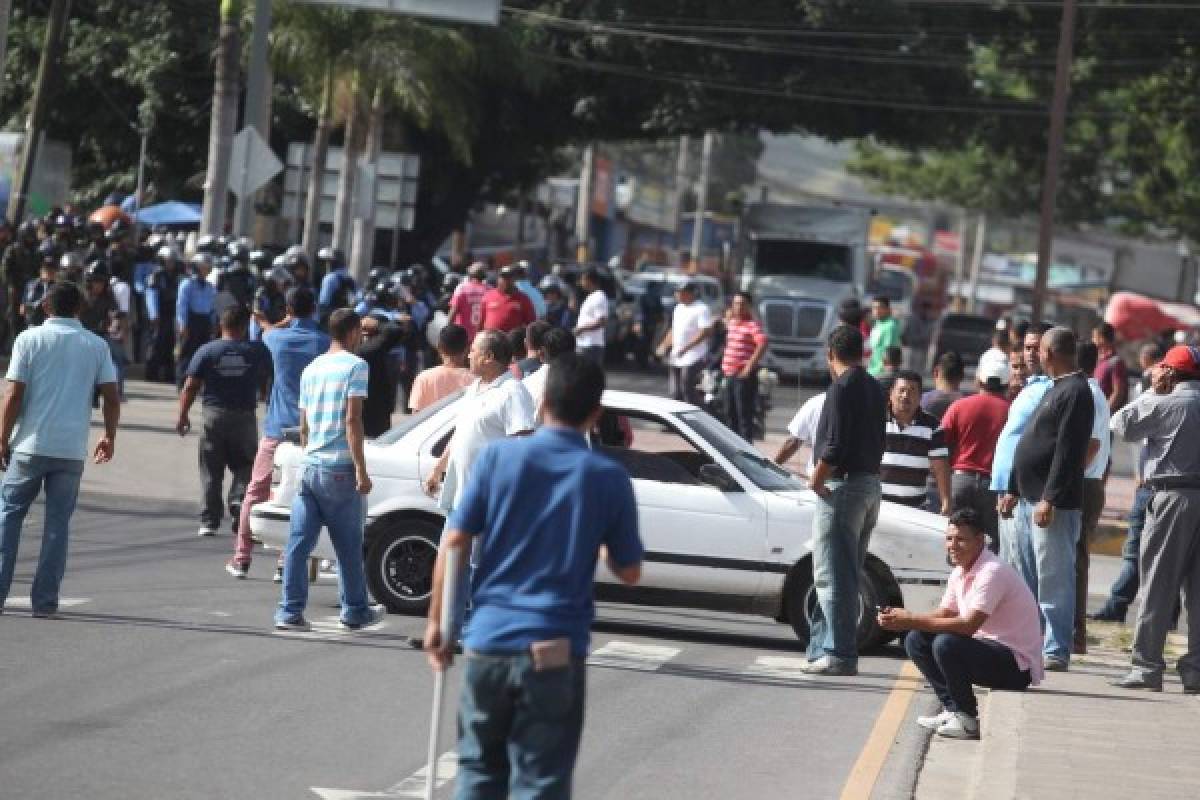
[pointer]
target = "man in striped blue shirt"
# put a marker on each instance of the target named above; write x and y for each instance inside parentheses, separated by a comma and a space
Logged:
(335, 483)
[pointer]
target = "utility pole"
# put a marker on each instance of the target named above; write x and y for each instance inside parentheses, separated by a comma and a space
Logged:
(702, 199)
(681, 175)
(56, 27)
(256, 113)
(5, 13)
(1058, 119)
(976, 263)
(583, 206)
(224, 120)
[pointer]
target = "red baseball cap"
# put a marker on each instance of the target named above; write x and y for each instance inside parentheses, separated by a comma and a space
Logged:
(1184, 358)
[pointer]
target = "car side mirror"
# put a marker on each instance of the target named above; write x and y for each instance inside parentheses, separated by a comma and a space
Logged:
(715, 475)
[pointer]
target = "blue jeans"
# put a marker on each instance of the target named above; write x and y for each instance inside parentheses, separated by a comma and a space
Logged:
(842, 528)
(24, 479)
(518, 728)
(1125, 587)
(1045, 557)
(328, 497)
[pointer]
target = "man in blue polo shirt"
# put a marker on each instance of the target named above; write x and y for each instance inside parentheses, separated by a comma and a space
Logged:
(54, 370)
(293, 345)
(543, 507)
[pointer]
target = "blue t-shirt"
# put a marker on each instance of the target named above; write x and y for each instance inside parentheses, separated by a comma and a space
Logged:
(231, 371)
(1019, 414)
(542, 505)
(292, 349)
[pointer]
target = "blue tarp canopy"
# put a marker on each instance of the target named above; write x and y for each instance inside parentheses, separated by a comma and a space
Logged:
(171, 212)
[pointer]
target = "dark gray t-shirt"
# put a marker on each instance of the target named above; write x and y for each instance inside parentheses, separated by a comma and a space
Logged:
(232, 372)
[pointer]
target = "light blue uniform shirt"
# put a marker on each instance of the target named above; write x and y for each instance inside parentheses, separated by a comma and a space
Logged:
(1019, 414)
(196, 296)
(535, 296)
(61, 364)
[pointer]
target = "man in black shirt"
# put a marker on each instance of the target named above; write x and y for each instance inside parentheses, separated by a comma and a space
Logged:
(1046, 492)
(226, 373)
(848, 449)
(379, 336)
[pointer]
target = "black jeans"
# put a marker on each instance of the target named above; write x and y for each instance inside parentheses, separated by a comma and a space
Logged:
(952, 663)
(741, 402)
(228, 441)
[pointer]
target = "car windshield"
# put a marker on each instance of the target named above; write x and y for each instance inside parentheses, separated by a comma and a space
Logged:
(831, 262)
(762, 471)
(400, 431)
(895, 286)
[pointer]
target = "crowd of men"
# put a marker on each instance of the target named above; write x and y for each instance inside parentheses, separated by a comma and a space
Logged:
(1020, 465)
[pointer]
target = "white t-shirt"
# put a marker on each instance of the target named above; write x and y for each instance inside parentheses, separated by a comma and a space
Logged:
(535, 384)
(686, 322)
(593, 310)
(490, 412)
(120, 290)
(804, 425)
(1099, 463)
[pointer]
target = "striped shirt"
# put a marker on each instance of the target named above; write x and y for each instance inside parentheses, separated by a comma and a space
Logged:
(742, 337)
(325, 386)
(906, 454)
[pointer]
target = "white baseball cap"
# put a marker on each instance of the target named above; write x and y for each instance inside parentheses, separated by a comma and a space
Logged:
(993, 364)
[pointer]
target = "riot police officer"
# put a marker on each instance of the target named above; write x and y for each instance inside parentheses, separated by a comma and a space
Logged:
(20, 263)
(195, 314)
(338, 289)
(35, 291)
(235, 285)
(161, 293)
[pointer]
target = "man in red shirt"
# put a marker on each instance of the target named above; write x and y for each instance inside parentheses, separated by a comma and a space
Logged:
(506, 307)
(466, 304)
(1110, 372)
(971, 427)
(745, 344)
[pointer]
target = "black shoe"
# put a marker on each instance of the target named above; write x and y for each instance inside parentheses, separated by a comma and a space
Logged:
(417, 643)
(375, 615)
(1108, 614)
(1136, 680)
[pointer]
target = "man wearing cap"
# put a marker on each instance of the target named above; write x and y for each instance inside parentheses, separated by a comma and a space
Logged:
(1046, 492)
(1169, 420)
(593, 317)
(506, 308)
(466, 304)
(971, 427)
(687, 343)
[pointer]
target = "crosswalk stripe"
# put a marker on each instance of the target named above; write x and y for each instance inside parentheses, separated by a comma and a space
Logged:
(63, 602)
(777, 667)
(627, 655)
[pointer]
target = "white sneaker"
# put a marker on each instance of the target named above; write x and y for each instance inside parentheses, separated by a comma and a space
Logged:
(959, 726)
(936, 721)
(206, 531)
(828, 666)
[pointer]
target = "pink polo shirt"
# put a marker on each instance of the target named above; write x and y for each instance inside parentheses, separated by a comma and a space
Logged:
(1013, 619)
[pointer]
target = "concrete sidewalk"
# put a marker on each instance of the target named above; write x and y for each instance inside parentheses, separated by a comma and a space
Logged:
(1075, 737)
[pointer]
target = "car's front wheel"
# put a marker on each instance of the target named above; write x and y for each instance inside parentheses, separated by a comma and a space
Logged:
(399, 563)
(876, 587)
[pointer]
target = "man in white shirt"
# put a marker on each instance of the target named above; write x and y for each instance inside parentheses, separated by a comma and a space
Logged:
(687, 342)
(1099, 451)
(556, 342)
(593, 317)
(802, 430)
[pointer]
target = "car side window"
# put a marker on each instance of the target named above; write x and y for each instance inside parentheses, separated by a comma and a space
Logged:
(650, 449)
(439, 446)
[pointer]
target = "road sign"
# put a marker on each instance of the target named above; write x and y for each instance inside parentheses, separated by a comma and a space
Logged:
(479, 12)
(251, 164)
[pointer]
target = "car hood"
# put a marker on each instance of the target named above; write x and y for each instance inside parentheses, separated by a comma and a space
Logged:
(787, 503)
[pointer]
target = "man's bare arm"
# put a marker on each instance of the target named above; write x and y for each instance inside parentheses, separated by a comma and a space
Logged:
(786, 450)
(9, 410)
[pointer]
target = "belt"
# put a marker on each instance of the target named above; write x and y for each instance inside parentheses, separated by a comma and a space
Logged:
(841, 474)
(970, 473)
(1174, 482)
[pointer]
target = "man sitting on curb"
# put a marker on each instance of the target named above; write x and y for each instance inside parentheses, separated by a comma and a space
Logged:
(987, 631)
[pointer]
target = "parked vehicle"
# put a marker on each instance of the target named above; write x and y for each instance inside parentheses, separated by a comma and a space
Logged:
(969, 335)
(630, 339)
(723, 526)
(800, 262)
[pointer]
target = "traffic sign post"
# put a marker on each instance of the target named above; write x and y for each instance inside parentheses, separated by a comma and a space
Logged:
(252, 163)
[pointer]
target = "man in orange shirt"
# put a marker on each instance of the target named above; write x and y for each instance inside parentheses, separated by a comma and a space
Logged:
(506, 307)
(448, 377)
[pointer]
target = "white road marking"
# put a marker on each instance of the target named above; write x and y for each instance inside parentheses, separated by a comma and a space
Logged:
(627, 655)
(411, 787)
(328, 628)
(63, 602)
(778, 667)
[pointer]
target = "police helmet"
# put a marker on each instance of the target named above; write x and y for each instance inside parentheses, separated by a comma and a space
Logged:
(236, 251)
(97, 271)
(330, 255)
(206, 244)
(28, 232)
(260, 260)
(48, 251)
(70, 261)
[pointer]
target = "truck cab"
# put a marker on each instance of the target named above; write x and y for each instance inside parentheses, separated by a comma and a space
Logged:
(799, 263)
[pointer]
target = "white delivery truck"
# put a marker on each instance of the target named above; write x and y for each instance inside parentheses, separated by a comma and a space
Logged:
(799, 263)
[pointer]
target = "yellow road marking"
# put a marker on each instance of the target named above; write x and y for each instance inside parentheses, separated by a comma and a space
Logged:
(866, 769)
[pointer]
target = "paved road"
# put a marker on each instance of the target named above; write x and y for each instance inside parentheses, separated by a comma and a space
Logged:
(166, 680)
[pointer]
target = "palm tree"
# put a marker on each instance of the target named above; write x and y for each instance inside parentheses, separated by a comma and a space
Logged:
(224, 118)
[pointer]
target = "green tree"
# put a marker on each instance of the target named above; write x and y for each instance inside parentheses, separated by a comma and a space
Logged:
(224, 117)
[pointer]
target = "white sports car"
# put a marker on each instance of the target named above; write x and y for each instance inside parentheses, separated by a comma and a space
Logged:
(724, 528)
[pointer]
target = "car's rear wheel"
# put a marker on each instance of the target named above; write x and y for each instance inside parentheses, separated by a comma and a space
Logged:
(399, 563)
(876, 587)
